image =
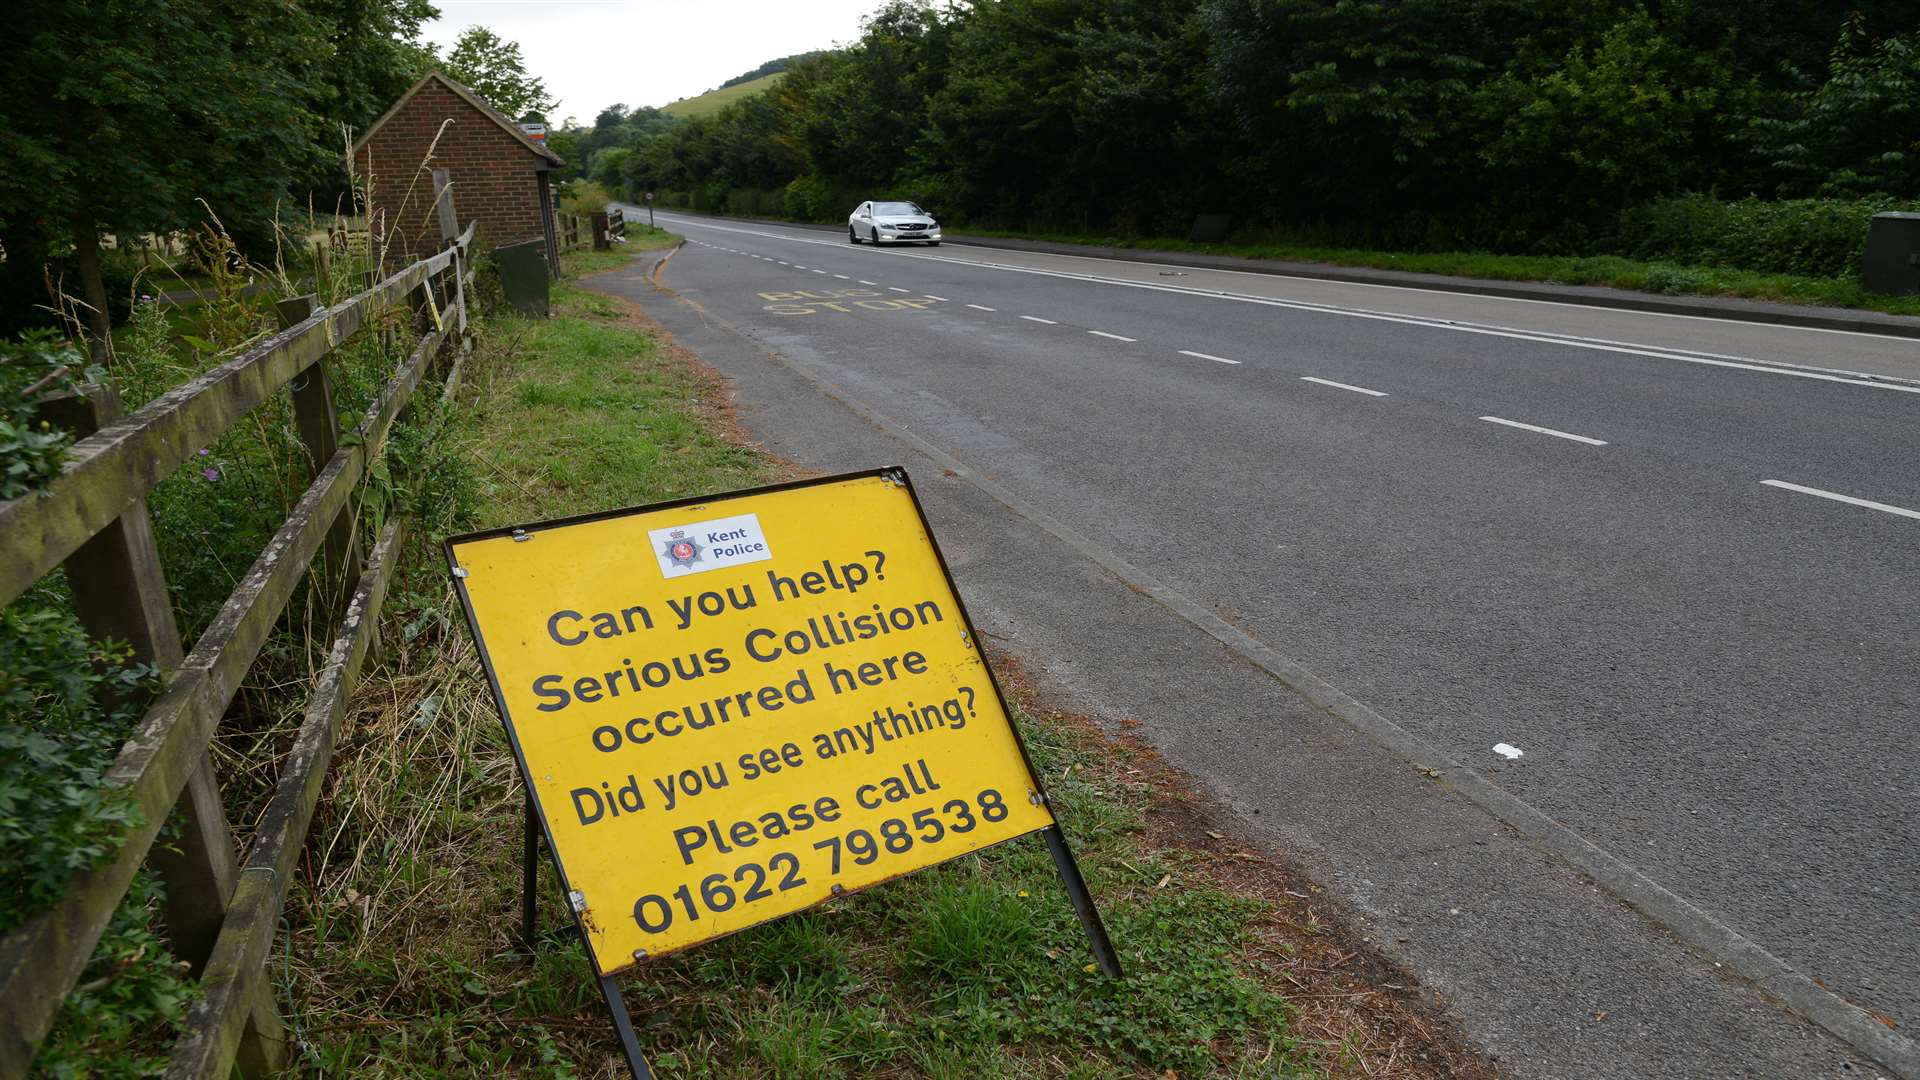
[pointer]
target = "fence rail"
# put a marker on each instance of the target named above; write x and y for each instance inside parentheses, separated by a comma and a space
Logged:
(93, 518)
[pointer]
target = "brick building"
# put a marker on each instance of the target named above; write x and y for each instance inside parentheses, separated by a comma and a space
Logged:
(495, 172)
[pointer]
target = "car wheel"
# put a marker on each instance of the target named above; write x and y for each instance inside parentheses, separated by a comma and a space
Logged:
(875, 236)
(852, 237)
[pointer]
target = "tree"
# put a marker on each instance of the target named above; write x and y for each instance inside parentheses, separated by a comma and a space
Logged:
(1636, 115)
(492, 67)
(1859, 131)
(113, 125)
(373, 53)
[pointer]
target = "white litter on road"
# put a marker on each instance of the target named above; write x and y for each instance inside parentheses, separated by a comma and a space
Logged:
(1507, 750)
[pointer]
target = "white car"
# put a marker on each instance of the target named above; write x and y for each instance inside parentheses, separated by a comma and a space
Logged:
(892, 223)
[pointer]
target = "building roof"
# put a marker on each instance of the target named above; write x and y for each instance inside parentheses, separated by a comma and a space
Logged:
(472, 99)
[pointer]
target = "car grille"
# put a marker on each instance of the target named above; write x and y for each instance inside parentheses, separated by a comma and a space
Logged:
(910, 226)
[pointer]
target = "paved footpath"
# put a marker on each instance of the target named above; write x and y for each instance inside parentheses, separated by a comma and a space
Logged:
(1573, 648)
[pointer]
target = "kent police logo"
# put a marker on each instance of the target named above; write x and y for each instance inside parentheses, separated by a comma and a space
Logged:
(681, 551)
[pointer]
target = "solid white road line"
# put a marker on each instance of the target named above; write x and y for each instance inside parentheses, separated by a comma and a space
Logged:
(1344, 386)
(1116, 337)
(930, 296)
(982, 307)
(897, 288)
(1545, 431)
(1038, 319)
(1206, 356)
(1850, 500)
(1655, 352)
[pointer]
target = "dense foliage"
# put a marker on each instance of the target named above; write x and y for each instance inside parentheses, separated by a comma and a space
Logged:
(1502, 124)
(32, 369)
(66, 703)
(128, 118)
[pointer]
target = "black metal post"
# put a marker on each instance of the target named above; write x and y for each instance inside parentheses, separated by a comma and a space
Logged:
(530, 881)
(623, 1024)
(1083, 903)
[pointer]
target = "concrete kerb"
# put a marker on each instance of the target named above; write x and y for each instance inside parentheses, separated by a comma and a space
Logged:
(1757, 311)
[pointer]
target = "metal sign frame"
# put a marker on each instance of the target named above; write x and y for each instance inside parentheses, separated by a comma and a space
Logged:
(537, 826)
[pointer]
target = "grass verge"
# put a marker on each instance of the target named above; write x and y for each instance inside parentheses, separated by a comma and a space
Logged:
(639, 238)
(402, 960)
(1613, 271)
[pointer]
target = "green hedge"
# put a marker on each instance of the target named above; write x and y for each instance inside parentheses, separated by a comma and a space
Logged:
(1822, 237)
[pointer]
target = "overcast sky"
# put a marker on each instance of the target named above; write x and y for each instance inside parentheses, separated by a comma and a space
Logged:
(593, 53)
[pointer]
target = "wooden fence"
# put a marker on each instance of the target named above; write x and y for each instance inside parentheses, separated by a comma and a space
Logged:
(576, 232)
(221, 912)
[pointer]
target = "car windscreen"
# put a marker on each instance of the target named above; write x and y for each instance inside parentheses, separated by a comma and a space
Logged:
(896, 208)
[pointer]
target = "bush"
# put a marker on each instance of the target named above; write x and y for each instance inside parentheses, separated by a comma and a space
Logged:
(1821, 237)
(32, 450)
(584, 197)
(130, 1001)
(808, 198)
(66, 705)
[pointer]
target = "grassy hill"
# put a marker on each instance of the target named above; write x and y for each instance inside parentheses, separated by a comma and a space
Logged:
(714, 100)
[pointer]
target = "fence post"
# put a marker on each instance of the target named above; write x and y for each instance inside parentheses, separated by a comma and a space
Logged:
(120, 593)
(450, 235)
(319, 425)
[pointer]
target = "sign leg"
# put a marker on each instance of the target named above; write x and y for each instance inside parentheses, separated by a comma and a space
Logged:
(530, 882)
(1083, 903)
(623, 1024)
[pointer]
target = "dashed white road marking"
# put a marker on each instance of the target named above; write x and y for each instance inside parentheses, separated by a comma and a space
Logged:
(819, 271)
(1657, 352)
(930, 296)
(1116, 337)
(864, 281)
(1207, 356)
(1848, 499)
(798, 266)
(982, 307)
(843, 277)
(1545, 431)
(1346, 386)
(1038, 319)
(897, 288)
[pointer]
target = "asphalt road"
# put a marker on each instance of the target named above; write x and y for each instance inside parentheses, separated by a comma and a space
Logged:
(1344, 550)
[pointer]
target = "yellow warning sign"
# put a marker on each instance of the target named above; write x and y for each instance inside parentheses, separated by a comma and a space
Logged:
(732, 709)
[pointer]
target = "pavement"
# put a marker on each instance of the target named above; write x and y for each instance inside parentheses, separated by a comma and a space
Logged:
(1343, 549)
